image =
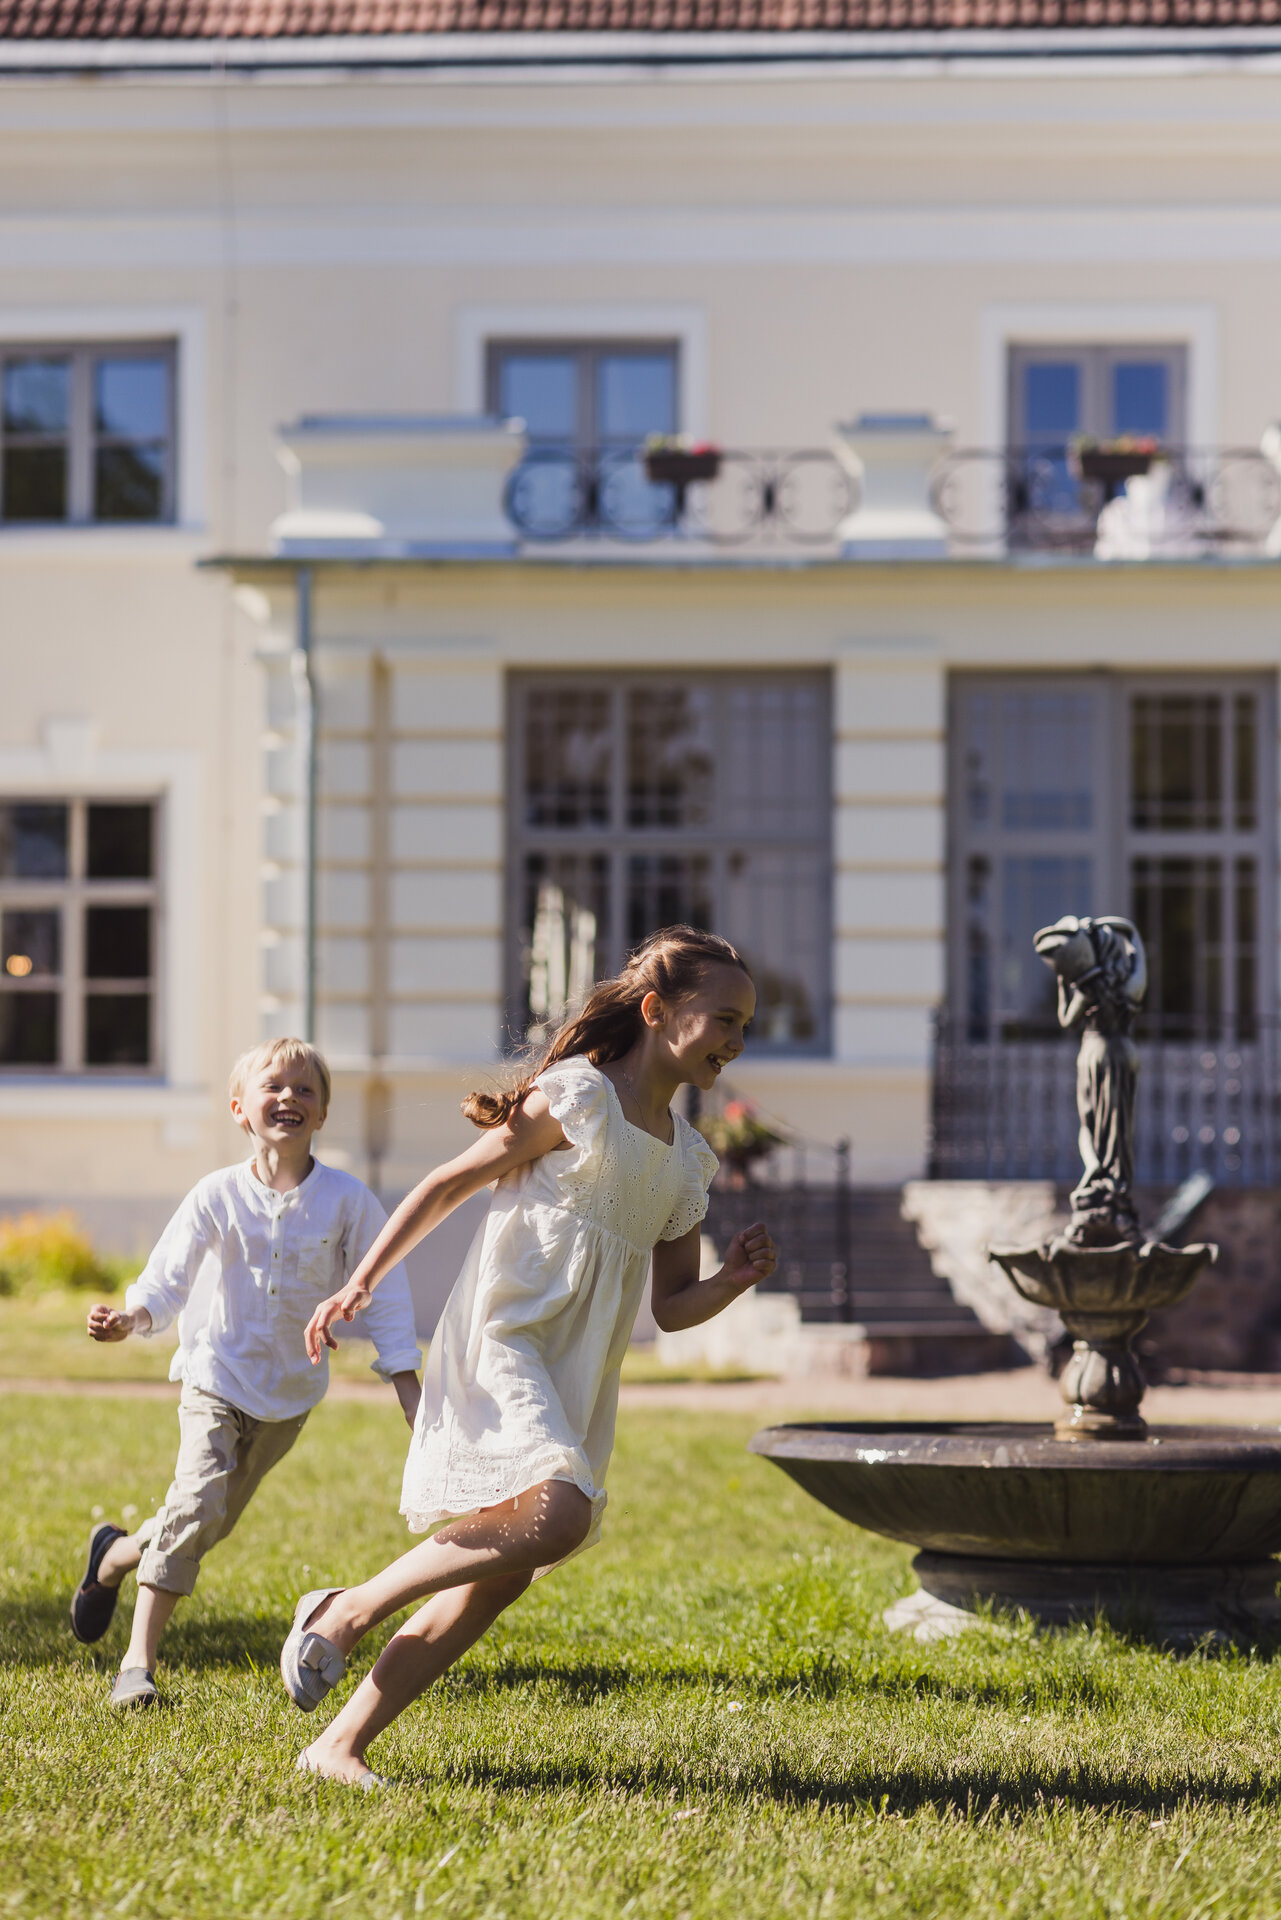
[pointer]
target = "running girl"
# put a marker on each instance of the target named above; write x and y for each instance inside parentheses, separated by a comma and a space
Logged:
(595, 1175)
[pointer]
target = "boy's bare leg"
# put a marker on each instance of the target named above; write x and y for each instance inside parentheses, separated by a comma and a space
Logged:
(151, 1616)
(538, 1528)
(121, 1557)
(429, 1643)
(152, 1610)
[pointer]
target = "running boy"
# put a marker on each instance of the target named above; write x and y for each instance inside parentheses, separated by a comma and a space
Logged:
(276, 1234)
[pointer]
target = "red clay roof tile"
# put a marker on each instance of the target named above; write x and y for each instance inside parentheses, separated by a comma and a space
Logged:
(292, 19)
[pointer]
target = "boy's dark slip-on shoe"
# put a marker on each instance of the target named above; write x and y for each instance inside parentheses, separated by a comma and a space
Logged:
(92, 1606)
(134, 1687)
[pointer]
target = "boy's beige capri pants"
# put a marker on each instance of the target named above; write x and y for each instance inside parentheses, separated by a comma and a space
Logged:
(223, 1454)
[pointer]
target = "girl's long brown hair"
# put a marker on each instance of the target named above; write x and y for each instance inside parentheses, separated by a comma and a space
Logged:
(671, 963)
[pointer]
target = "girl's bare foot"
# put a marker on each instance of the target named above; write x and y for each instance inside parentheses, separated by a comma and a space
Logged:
(338, 1765)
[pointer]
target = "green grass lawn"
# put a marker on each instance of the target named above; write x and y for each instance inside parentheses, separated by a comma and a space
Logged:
(42, 1337)
(703, 1719)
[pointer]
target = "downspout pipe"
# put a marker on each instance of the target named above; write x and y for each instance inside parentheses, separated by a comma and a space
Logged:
(302, 667)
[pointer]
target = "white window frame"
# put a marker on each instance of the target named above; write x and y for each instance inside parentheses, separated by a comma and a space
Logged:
(1195, 328)
(81, 439)
(475, 327)
(69, 764)
(184, 330)
(616, 841)
(71, 896)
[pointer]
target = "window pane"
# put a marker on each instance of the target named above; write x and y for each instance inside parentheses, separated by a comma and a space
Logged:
(1140, 397)
(564, 928)
(1178, 908)
(635, 395)
(775, 780)
(774, 916)
(33, 840)
(120, 842)
(28, 1029)
(30, 941)
(1047, 744)
(128, 483)
(1035, 890)
(131, 398)
(542, 390)
(35, 483)
(37, 396)
(978, 948)
(568, 743)
(1051, 400)
(1245, 762)
(1246, 928)
(1177, 762)
(117, 1029)
(666, 888)
(117, 943)
(671, 756)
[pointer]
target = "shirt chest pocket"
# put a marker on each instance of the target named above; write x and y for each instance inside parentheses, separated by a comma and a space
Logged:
(316, 1264)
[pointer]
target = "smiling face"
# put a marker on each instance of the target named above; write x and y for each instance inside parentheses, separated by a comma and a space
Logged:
(704, 1032)
(281, 1103)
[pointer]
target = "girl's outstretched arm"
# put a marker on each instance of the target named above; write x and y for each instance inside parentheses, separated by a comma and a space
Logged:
(681, 1299)
(526, 1135)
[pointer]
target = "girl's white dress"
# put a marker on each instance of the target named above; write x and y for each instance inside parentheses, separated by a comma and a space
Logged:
(521, 1383)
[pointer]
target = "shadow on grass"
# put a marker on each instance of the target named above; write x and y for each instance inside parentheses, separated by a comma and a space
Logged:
(807, 1679)
(35, 1632)
(977, 1794)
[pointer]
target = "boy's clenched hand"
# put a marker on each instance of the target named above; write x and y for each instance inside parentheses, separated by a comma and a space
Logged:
(115, 1323)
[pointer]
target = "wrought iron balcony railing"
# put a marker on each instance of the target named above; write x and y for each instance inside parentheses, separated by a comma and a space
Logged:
(1191, 504)
(1006, 1109)
(605, 493)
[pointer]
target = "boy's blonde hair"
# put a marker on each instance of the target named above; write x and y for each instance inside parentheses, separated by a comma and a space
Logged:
(284, 1052)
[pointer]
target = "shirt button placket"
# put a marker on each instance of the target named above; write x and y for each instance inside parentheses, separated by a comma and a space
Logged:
(277, 1227)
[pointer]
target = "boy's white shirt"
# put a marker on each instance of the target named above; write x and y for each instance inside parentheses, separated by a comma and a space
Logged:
(242, 1269)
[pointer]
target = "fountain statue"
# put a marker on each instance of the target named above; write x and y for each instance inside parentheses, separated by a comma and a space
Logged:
(1100, 1278)
(1098, 1513)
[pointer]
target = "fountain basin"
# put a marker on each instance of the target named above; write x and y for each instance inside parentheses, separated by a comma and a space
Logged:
(1177, 1496)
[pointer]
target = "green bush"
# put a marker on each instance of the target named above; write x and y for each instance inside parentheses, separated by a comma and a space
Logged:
(43, 1251)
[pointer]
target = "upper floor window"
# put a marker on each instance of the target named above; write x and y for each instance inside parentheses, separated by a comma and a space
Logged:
(640, 800)
(86, 434)
(588, 407)
(586, 393)
(1060, 395)
(78, 910)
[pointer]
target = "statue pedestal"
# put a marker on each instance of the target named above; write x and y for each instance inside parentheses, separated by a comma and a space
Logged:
(1104, 1296)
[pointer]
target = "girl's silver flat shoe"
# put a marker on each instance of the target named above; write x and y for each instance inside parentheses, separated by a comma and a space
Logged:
(310, 1665)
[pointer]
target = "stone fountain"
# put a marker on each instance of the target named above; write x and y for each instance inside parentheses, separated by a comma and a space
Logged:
(1170, 1528)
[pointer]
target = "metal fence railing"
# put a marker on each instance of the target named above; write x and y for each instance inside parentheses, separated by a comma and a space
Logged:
(1006, 1109)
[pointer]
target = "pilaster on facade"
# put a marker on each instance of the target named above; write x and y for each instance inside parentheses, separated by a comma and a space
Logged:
(409, 845)
(889, 831)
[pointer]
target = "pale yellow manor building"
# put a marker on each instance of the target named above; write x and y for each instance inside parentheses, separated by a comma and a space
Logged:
(362, 665)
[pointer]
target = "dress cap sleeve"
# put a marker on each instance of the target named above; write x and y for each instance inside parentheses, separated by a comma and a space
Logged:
(578, 1095)
(700, 1165)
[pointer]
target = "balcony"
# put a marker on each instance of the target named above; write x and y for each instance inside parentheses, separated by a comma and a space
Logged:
(887, 487)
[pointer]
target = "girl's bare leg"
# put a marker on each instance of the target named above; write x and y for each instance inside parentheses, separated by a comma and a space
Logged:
(532, 1531)
(429, 1643)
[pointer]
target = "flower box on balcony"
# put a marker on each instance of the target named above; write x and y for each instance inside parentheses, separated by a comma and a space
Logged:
(1113, 462)
(668, 463)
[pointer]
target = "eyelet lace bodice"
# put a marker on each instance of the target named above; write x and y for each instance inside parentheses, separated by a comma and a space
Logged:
(521, 1383)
